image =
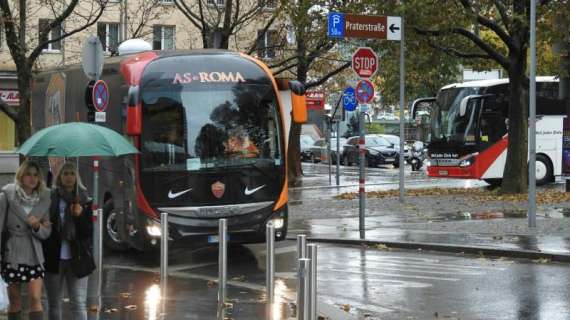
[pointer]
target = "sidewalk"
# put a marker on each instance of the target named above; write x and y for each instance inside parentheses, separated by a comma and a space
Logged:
(440, 222)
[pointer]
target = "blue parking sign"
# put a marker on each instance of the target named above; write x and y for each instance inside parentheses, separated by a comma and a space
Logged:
(349, 99)
(335, 25)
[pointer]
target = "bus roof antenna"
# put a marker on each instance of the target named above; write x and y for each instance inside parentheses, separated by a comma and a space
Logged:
(134, 46)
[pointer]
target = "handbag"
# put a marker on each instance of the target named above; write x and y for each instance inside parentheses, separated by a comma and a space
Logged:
(82, 263)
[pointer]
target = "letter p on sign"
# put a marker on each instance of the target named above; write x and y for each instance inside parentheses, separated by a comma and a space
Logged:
(365, 62)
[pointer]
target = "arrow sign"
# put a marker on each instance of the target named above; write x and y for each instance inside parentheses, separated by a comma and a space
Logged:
(395, 29)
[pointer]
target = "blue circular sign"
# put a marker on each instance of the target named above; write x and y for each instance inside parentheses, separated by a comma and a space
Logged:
(364, 91)
(100, 96)
(349, 100)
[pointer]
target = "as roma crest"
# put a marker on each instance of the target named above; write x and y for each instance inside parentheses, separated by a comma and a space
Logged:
(218, 189)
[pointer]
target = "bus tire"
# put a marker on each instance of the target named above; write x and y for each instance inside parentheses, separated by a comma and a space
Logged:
(544, 170)
(111, 237)
(494, 182)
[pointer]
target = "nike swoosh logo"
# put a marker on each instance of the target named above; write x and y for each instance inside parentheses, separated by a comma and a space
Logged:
(177, 194)
(249, 192)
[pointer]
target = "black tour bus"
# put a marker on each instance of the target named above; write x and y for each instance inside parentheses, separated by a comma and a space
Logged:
(212, 129)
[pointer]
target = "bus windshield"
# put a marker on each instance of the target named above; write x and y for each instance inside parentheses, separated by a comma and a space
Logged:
(446, 122)
(208, 127)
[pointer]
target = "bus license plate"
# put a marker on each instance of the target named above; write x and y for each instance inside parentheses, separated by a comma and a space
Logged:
(216, 239)
(443, 172)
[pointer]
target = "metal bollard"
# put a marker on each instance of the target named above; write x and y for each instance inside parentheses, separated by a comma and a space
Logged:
(222, 266)
(100, 228)
(301, 246)
(163, 253)
(302, 288)
(312, 308)
(270, 263)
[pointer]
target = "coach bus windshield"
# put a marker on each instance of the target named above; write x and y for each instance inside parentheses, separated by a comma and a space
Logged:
(209, 121)
(446, 122)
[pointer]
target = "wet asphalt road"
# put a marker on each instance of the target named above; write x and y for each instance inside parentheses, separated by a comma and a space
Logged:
(370, 283)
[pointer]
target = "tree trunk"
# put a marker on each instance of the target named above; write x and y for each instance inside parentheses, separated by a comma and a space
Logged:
(515, 177)
(24, 124)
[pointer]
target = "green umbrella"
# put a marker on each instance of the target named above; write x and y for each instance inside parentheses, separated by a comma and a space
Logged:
(76, 139)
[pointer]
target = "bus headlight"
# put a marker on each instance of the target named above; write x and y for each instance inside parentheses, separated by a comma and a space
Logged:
(278, 223)
(466, 162)
(153, 229)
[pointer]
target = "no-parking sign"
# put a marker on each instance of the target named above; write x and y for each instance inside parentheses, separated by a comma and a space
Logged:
(100, 96)
(364, 91)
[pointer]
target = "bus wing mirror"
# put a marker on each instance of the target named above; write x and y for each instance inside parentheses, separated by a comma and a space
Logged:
(416, 104)
(298, 101)
(134, 112)
(299, 105)
(463, 106)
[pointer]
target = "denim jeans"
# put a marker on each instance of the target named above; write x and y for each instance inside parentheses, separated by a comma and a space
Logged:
(76, 288)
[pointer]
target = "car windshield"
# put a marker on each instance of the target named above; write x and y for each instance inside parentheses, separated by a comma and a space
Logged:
(376, 141)
(447, 124)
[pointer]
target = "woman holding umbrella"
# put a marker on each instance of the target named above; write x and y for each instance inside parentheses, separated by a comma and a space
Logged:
(68, 248)
(24, 221)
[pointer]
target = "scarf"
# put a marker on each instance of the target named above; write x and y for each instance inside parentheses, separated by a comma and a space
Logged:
(68, 230)
(25, 199)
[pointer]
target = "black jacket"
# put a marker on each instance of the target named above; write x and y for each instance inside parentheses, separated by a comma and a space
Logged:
(81, 255)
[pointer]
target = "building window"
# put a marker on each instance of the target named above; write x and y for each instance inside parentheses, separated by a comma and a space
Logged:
(266, 43)
(108, 34)
(268, 4)
(163, 37)
(55, 33)
(219, 3)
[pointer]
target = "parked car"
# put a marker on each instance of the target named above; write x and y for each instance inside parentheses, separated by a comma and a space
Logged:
(306, 143)
(319, 150)
(395, 140)
(378, 151)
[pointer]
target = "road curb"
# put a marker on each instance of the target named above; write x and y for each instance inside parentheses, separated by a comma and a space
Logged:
(452, 248)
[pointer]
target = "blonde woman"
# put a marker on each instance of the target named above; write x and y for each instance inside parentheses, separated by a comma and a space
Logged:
(24, 221)
(68, 249)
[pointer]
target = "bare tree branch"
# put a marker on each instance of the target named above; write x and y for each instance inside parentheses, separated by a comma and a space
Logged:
(57, 22)
(502, 60)
(328, 76)
(489, 24)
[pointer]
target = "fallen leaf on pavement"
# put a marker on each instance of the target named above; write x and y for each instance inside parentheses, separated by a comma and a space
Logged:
(239, 278)
(541, 260)
(345, 307)
(211, 284)
(381, 246)
(125, 295)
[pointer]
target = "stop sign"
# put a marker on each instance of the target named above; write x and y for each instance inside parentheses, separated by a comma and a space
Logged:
(364, 62)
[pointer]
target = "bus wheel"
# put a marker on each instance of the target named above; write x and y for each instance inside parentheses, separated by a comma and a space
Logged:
(494, 182)
(544, 170)
(111, 237)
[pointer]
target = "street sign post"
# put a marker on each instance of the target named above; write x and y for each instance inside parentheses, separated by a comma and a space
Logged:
(365, 62)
